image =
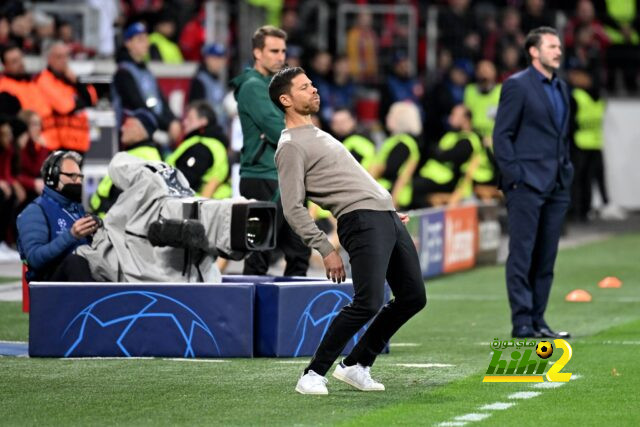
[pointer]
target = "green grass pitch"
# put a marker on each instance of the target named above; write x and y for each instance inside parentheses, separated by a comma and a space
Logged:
(465, 312)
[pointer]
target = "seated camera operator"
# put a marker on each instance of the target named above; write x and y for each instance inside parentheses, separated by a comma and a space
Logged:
(52, 226)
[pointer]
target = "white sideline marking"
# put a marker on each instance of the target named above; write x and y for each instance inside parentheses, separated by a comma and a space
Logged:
(452, 423)
(405, 344)
(524, 395)
(575, 377)
(178, 359)
(548, 385)
(13, 342)
(424, 365)
(498, 406)
(621, 342)
(107, 358)
(293, 362)
(472, 417)
(466, 297)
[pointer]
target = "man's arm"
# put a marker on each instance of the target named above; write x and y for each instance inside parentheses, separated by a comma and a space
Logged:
(290, 166)
(255, 100)
(33, 236)
(504, 133)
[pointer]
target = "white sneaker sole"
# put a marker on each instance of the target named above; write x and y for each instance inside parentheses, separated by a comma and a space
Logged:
(352, 383)
(313, 393)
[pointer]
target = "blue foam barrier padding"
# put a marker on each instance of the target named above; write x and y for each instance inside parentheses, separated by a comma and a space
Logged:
(292, 317)
(142, 320)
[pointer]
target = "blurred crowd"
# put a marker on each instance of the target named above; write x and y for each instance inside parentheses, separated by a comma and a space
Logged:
(425, 135)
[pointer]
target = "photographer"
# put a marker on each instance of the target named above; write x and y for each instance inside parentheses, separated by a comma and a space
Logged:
(54, 225)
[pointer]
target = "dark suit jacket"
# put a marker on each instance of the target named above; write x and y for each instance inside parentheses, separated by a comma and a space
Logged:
(529, 145)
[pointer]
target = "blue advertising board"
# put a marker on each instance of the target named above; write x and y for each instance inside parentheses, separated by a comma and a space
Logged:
(431, 252)
(292, 318)
(127, 320)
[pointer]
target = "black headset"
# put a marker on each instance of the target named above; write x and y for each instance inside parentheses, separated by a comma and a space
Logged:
(51, 168)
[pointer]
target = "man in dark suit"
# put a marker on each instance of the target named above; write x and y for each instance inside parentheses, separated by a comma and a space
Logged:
(532, 153)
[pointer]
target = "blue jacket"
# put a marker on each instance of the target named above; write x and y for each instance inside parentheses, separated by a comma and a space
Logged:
(529, 146)
(44, 232)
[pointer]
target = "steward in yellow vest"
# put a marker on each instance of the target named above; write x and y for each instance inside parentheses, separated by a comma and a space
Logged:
(162, 48)
(137, 131)
(482, 98)
(446, 166)
(202, 156)
(587, 112)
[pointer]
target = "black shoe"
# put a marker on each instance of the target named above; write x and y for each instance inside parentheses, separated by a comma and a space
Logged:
(545, 332)
(524, 332)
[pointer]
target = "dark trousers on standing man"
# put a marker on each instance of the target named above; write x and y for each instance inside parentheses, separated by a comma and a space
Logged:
(379, 247)
(296, 253)
(535, 225)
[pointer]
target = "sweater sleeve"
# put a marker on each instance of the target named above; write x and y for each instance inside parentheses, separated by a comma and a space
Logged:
(258, 105)
(290, 164)
(33, 238)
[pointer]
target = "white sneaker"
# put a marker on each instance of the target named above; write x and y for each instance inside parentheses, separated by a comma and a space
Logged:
(312, 383)
(357, 376)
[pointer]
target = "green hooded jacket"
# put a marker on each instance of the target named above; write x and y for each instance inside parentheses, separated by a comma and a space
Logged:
(262, 122)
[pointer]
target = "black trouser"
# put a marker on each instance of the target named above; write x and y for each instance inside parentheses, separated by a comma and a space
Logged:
(588, 169)
(379, 247)
(73, 268)
(296, 253)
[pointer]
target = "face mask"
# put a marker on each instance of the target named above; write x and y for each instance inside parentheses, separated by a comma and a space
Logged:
(72, 192)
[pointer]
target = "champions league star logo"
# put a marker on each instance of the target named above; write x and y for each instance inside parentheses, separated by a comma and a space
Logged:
(62, 225)
(316, 318)
(148, 319)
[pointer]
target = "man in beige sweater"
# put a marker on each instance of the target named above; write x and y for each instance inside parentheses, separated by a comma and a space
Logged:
(312, 164)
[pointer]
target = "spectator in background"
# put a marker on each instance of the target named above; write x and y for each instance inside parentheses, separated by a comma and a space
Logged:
(362, 48)
(294, 56)
(296, 37)
(162, 47)
(343, 88)
(192, 38)
(585, 55)
(622, 25)
(510, 60)
(135, 138)
(399, 155)
(585, 15)
(54, 224)
(45, 31)
(202, 155)
(134, 86)
(446, 163)
(344, 129)
(32, 155)
(320, 75)
(18, 83)
(442, 98)
(10, 189)
(511, 33)
(4, 30)
(66, 35)
(458, 32)
(586, 121)
(208, 85)
(262, 123)
(68, 99)
(482, 98)
(21, 31)
(536, 15)
(401, 85)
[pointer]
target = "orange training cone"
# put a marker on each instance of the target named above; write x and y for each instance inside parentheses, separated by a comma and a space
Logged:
(610, 282)
(578, 295)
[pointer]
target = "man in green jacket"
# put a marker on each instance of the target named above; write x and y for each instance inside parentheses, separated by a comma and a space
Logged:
(261, 125)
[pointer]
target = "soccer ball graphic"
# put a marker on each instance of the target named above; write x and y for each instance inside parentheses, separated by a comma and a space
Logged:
(138, 323)
(544, 349)
(316, 317)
